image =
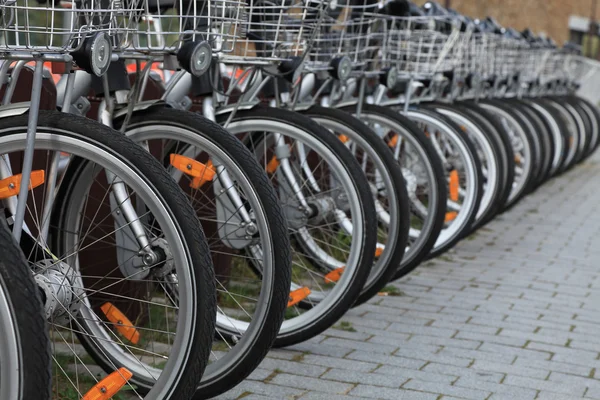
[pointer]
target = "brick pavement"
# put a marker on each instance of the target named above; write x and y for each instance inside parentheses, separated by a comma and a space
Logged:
(511, 313)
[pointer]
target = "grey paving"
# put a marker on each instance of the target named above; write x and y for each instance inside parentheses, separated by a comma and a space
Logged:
(512, 312)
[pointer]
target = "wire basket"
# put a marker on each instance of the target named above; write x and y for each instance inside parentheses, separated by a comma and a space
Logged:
(238, 31)
(352, 29)
(420, 47)
(461, 52)
(165, 25)
(506, 56)
(59, 27)
(480, 59)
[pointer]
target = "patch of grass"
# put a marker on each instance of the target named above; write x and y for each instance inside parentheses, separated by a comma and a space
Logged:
(446, 258)
(300, 357)
(392, 291)
(345, 326)
(270, 377)
(490, 243)
(533, 211)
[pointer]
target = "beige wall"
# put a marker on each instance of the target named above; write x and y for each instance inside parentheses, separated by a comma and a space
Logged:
(549, 16)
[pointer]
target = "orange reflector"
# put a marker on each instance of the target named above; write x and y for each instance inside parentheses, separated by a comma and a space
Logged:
(109, 386)
(378, 252)
(463, 128)
(296, 296)
(517, 158)
(202, 173)
(272, 165)
(450, 216)
(334, 275)
(122, 324)
(453, 187)
(209, 174)
(393, 141)
(343, 138)
(10, 186)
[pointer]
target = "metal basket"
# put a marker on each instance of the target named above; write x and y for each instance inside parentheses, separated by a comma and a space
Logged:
(238, 31)
(421, 46)
(59, 27)
(353, 30)
(461, 52)
(480, 59)
(506, 56)
(165, 25)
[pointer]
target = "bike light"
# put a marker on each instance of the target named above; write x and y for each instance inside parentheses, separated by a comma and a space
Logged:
(341, 68)
(195, 57)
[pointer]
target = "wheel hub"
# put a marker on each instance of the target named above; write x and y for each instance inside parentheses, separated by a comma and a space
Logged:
(62, 289)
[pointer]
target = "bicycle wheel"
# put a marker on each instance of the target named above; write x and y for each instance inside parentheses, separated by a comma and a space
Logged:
(24, 346)
(523, 149)
(246, 231)
(424, 176)
(594, 116)
(329, 209)
(388, 188)
(498, 133)
(558, 132)
(125, 267)
(462, 175)
(489, 154)
(571, 131)
(539, 130)
(589, 125)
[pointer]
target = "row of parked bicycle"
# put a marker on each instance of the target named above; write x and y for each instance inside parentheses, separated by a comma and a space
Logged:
(211, 179)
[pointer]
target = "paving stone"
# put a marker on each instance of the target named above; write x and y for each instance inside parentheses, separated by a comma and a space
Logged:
(382, 359)
(504, 390)
(341, 375)
(293, 367)
(490, 376)
(376, 392)
(439, 388)
(350, 364)
(356, 345)
(573, 390)
(302, 382)
(444, 377)
(512, 369)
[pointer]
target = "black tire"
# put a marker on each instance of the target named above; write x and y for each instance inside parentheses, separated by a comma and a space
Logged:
(497, 151)
(365, 257)
(213, 384)
(594, 116)
(392, 169)
(470, 154)
(490, 106)
(571, 130)
(431, 232)
(586, 124)
(542, 131)
(558, 130)
(495, 129)
(28, 318)
(154, 175)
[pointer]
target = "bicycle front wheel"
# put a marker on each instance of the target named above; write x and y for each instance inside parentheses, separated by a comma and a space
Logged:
(136, 281)
(329, 209)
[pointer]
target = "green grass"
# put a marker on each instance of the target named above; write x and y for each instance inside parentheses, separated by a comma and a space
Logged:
(345, 326)
(392, 291)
